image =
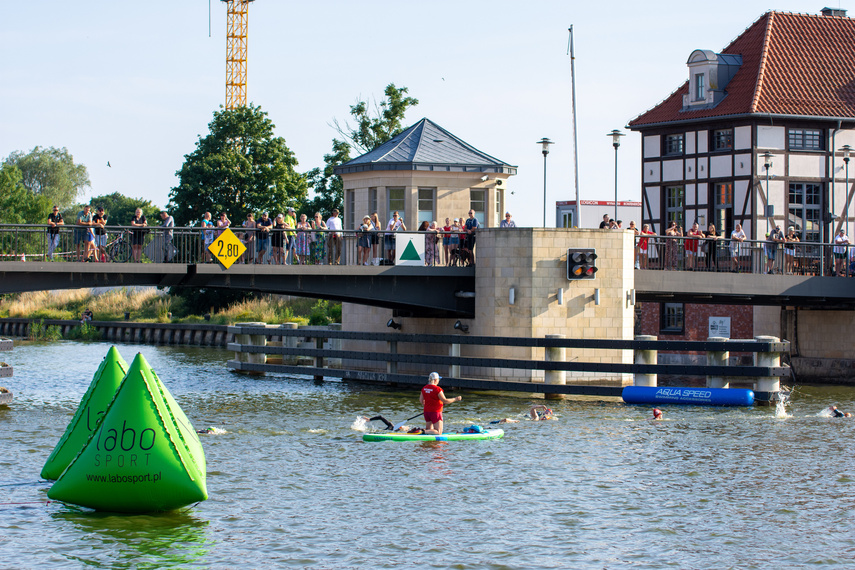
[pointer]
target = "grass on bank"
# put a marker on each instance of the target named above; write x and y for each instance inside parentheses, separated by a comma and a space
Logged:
(153, 306)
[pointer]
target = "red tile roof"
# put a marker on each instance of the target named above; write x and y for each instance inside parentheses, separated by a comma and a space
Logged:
(792, 64)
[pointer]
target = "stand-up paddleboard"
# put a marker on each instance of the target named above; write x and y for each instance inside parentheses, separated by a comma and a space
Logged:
(450, 436)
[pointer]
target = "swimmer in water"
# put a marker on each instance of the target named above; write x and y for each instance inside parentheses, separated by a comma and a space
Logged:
(835, 413)
(505, 421)
(540, 412)
(657, 414)
(388, 424)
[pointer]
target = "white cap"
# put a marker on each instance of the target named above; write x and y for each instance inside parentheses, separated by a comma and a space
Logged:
(434, 376)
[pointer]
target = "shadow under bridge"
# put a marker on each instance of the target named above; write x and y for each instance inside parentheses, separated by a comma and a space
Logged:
(409, 290)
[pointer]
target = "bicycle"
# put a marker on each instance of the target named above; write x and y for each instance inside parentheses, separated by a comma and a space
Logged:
(119, 250)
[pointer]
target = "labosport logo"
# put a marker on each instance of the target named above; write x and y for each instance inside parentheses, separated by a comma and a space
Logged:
(127, 440)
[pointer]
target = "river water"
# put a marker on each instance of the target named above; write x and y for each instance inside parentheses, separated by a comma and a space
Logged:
(292, 484)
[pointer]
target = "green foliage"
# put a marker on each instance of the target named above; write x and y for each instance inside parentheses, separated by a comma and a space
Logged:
(38, 331)
(240, 167)
(51, 173)
(376, 123)
(19, 205)
(120, 209)
(324, 313)
(198, 301)
(85, 331)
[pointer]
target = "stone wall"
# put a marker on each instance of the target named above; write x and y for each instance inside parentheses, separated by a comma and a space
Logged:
(532, 262)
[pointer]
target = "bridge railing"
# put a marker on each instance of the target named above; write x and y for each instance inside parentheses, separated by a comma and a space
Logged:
(725, 255)
(188, 245)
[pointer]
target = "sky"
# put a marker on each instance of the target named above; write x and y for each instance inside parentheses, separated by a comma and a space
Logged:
(135, 84)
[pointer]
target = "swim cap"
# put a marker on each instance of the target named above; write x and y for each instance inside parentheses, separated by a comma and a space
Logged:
(657, 413)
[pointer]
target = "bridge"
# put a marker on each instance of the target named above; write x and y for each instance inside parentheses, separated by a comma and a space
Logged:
(417, 291)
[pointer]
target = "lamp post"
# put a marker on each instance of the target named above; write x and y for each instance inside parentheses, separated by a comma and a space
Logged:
(767, 164)
(544, 147)
(616, 135)
(846, 150)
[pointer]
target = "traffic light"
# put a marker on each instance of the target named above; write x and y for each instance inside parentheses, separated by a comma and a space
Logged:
(580, 264)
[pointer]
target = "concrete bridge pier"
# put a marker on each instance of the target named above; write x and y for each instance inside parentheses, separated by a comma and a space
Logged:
(646, 357)
(254, 340)
(555, 354)
(768, 387)
(718, 358)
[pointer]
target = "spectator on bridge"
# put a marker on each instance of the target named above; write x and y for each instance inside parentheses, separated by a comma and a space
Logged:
(99, 221)
(737, 236)
(644, 246)
(604, 225)
(506, 223)
(712, 247)
(841, 245)
(471, 226)
(790, 250)
(334, 238)
(290, 241)
(691, 246)
(771, 245)
(302, 248)
(222, 223)
(395, 224)
(363, 241)
(167, 223)
(262, 239)
(375, 238)
(432, 244)
(672, 252)
(54, 221)
(83, 235)
(635, 233)
(318, 239)
(208, 234)
(453, 241)
(138, 236)
(277, 241)
(248, 239)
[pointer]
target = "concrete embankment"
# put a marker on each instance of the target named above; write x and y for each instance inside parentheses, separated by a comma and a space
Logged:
(194, 334)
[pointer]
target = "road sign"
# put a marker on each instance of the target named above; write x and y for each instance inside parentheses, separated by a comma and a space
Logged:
(227, 248)
(410, 249)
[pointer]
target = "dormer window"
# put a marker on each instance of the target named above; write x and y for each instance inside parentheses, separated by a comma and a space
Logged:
(700, 90)
(709, 74)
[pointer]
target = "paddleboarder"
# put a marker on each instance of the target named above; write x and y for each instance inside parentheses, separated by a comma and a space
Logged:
(433, 399)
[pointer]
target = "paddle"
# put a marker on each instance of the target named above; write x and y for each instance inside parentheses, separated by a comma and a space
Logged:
(396, 427)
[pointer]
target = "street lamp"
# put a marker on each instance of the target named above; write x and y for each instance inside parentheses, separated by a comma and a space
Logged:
(616, 135)
(846, 150)
(544, 147)
(767, 164)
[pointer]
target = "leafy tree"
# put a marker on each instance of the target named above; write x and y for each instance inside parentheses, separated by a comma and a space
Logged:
(51, 172)
(376, 123)
(18, 205)
(240, 167)
(120, 209)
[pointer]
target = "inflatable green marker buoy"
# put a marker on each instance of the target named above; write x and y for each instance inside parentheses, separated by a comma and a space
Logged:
(144, 456)
(96, 399)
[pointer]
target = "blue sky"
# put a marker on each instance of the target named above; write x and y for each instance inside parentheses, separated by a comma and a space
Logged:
(136, 83)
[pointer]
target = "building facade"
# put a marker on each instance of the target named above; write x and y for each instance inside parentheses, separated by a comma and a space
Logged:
(426, 174)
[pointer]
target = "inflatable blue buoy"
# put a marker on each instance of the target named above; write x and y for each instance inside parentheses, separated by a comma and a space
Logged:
(688, 396)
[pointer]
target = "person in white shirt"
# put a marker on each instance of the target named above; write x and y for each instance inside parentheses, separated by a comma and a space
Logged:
(395, 224)
(737, 236)
(334, 239)
(841, 243)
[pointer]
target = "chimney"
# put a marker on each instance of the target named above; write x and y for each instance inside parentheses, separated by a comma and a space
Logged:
(838, 12)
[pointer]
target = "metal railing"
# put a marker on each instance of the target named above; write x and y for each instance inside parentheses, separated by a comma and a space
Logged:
(188, 245)
(749, 256)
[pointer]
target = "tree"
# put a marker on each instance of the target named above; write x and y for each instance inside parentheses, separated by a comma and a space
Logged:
(51, 172)
(120, 209)
(18, 205)
(240, 167)
(376, 123)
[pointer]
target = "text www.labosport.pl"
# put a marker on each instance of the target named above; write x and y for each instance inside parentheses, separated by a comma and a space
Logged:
(116, 478)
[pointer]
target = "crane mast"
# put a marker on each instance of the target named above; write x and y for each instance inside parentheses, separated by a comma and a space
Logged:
(236, 43)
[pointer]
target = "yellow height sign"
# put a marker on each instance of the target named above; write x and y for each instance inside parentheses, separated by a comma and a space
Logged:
(227, 248)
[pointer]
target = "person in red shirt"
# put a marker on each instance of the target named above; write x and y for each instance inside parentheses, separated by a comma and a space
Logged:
(433, 398)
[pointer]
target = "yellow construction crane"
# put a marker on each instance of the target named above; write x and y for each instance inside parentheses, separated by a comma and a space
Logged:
(236, 33)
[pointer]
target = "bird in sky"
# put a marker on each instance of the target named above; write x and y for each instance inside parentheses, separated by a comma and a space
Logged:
(108, 164)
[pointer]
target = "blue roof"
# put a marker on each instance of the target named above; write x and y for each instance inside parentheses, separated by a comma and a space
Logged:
(426, 146)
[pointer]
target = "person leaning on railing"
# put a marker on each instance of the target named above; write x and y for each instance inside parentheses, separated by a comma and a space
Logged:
(841, 244)
(790, 250)
(138, 235)
(54, 221)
